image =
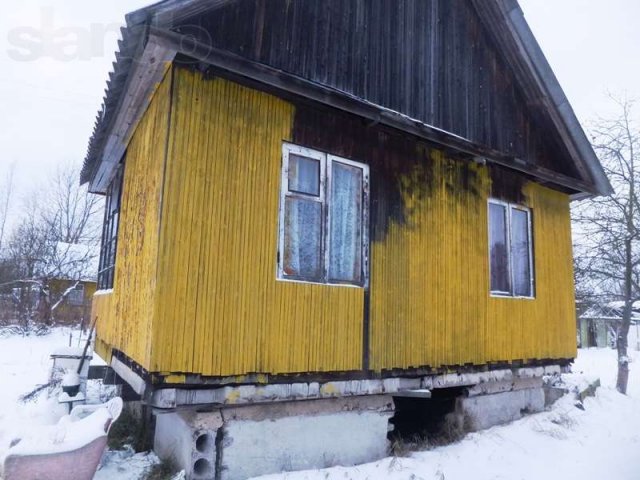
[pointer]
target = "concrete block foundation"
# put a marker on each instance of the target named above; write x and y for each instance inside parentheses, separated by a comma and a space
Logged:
(235, 443)
(187, 439)
(238, 432)
(484, 411)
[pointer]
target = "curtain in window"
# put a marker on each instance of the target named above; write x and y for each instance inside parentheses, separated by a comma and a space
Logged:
(303, 220)
(520, 253)
(302, 238)
(345, 247)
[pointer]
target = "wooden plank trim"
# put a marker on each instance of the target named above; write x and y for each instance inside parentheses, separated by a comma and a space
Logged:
(149, 67)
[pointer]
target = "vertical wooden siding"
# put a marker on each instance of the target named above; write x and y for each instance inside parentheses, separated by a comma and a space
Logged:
(125, 316)
(433, 60)
(220, 309)
(205, 299)
(430, 281)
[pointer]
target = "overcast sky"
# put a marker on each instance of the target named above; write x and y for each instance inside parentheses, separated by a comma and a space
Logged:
(49, 98)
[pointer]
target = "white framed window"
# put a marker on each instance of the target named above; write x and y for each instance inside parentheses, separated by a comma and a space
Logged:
(324, 218)
(76, 296)
(109, 245)
(510, 250)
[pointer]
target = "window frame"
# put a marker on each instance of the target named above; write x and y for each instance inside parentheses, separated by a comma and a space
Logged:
(508, 220)
(78, 291)
(324, 198)
(110, 228)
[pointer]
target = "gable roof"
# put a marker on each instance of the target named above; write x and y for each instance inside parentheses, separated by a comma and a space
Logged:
(518, 40)
(153, 37)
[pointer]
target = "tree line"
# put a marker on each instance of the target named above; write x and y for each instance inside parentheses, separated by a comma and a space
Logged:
(52, 233)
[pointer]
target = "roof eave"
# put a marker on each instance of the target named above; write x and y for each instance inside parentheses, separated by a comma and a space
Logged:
(148, 70)
(530, 48)
(168, 13)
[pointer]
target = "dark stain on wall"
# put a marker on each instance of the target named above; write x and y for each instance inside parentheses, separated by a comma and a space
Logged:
(400, 165)
(507, 185)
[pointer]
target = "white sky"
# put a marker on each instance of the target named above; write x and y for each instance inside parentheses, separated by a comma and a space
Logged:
(49, 100)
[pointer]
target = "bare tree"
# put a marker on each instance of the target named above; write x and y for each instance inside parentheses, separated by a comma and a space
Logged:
(71, 214)
(27, 253)
(608, 243)
(73, 220)
(56, 237)
(6, 191)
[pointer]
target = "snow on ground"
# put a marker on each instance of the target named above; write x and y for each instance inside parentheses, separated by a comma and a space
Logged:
(126, 465)
(24, 364)
(564, 443)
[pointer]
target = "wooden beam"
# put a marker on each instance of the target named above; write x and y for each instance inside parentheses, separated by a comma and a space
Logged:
(149, 68)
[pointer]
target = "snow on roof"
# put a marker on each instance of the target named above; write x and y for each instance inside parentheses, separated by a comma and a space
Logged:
(611, 311)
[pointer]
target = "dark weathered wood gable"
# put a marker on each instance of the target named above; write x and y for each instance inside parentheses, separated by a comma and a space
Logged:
(431, 60)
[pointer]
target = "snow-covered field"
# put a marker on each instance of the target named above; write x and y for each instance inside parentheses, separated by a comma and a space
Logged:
(601, 441)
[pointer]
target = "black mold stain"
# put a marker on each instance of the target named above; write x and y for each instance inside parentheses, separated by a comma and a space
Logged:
(400, 165)
(507, 185)
(461, 175)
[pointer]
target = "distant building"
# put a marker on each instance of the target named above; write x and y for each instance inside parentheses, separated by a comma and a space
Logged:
(76, 307)
(71, 290)
(62, 294)
(598, 324)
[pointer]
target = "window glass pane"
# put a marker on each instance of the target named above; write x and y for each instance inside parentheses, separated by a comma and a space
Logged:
(302, 238)
(345, 250)
(304, 175)
(76, 296)
(115, 195)
(114, 201)
(500, 281)
(114, 225)
(110, 232)
(112, 253)
(520, 251)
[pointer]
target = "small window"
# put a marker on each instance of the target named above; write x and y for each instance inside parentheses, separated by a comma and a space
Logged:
(76, 296)
(323, 218)
(510, 250)
(110, 232)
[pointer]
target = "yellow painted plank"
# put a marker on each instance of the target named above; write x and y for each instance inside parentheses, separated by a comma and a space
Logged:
(430, 282)
(220, 309)
(125, 316)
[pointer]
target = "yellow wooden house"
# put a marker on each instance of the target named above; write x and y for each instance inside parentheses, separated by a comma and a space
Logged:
(323, 191)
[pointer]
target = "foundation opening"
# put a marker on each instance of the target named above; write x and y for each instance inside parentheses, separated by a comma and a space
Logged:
(422, 423)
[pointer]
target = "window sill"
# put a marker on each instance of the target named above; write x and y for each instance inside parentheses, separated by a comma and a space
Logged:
(105, 291)
(310, 282)
(513, 297)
